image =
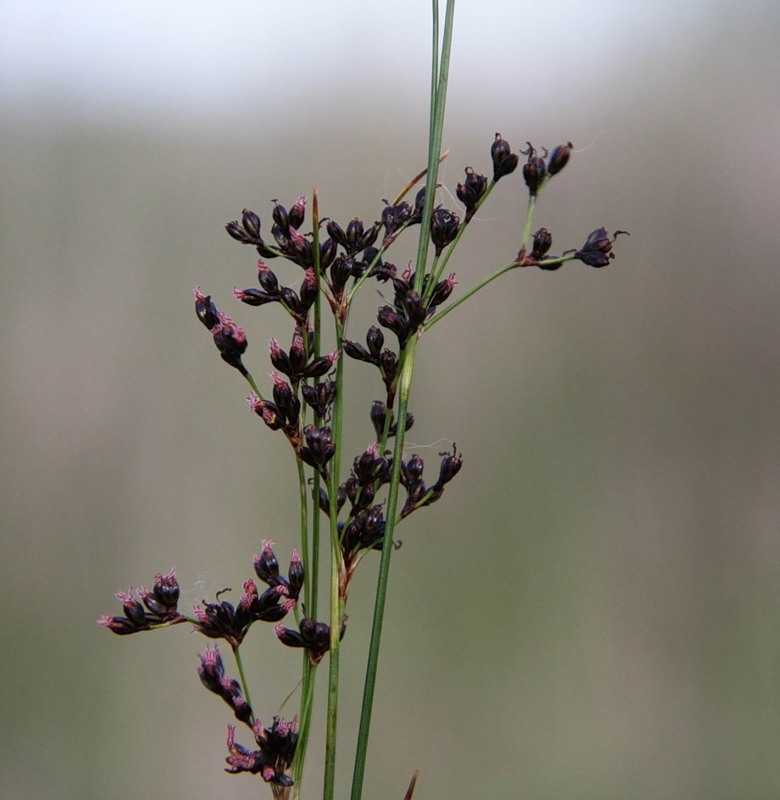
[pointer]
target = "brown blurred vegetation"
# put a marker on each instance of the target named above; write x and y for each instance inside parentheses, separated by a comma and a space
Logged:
(590, 612)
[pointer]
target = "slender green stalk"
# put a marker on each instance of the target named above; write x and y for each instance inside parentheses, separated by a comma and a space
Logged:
(440, 70)
(311, 583)
(405, 380)
(439, 271)
(529, 218)
(310, 557)
(241, 676)
(304, 726)
(548, 262)
(303, 497)
(335, 575)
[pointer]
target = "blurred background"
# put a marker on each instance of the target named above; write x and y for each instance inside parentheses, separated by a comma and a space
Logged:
(592, 609)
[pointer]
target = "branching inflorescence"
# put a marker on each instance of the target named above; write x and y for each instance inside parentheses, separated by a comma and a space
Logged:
(331, 262)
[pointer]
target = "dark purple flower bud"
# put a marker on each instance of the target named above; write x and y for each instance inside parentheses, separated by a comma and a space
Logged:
(237, 232)
(281, 217)
(340, 273)
(415, 310)
(442, 291)
(394, 218)
(211, 669)
(239, 759)
(504, 160)
(412, 471)
(266, 564)
(248, 230)
(290, 299)
(320, 397)
(389, 318)
(419, 206)
(133, 609)
(328, 250)
(375, 340)
(206, 310)
(319, 447)
(308, 290)
(295, 575)
(279, 358)
(559, 158)
(118, 625)
(388, 362)
(375, 527)
(253, 297)
(251, 223)
(230, 340)
(223, 621)
(444, 228)
(166, 590)
(534, 171)
(368, 465)
(414, 499)
(542, 242)
(450, 467)
(471, 191)
(270, 413)
(319, 366)
(357, 351)
(298, 354)
(377, 414)
(597, 250)
(269, 606)
(297, 213)
(359, 237)
(266, 278)
(314, 636)
(336, 232)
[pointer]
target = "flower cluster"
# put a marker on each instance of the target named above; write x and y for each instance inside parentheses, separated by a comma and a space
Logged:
(274, 756)
(153, 608)
(305, 401)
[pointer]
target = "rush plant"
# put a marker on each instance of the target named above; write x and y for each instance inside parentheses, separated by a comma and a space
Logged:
(350, 505)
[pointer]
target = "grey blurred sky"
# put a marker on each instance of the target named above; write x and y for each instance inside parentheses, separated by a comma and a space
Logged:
(196, 59)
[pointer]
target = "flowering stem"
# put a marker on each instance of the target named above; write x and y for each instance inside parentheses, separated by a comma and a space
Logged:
(439, 75)
(335, 575)
(242, 678)
(529, 218)
(442, 265)
(405, 380)
(312, 583)
(307, 703)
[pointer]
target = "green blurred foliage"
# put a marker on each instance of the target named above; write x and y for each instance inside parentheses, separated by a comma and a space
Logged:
(591, 611)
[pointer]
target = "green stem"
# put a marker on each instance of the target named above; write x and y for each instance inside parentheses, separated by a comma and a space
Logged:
(242, 678)
(439, 76)
(405, 380)
(311, 582)
(474, 289)
(304, 504)
(304, 722)
(529, 218)
(335, 574)
(442, 266)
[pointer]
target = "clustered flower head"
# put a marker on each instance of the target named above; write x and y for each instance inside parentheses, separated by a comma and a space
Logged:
(152, 608)
(274, 754)
(222, 620)
(302, 399)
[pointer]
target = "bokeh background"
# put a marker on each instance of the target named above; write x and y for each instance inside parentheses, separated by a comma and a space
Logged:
(592, 609)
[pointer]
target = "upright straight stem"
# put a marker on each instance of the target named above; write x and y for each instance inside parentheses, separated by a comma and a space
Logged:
(335, 575)
(439, 73)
